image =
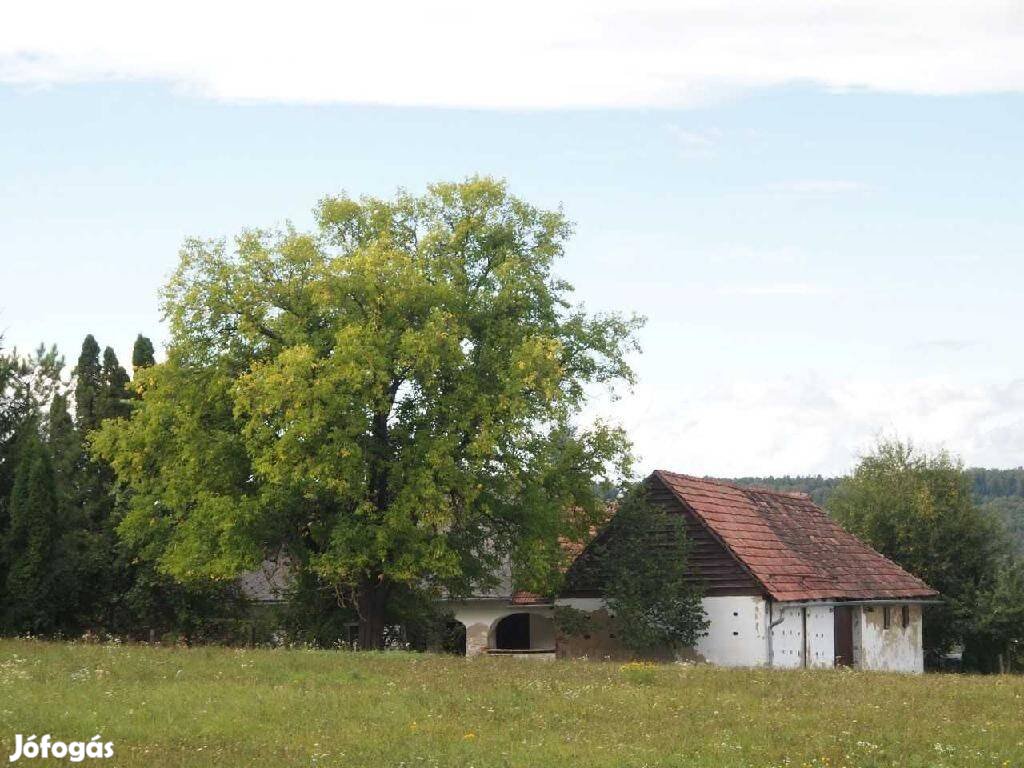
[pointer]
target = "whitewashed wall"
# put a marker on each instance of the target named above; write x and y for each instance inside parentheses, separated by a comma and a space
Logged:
(787, 637)
(790, 646)
(896, 649)
(737, 633)
(821, 637)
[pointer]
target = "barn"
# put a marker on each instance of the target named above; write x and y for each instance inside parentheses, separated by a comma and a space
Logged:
(784, 586)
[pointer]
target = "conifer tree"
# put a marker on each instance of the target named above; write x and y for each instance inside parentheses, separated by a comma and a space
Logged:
(87, 386)
(114, 400)
(32, 598)
(66, 450)
(142, 353)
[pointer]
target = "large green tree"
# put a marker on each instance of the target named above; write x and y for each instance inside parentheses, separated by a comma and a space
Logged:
(392, 399)
(916, 508)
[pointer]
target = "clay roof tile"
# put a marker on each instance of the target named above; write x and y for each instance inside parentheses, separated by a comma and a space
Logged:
(794, 549)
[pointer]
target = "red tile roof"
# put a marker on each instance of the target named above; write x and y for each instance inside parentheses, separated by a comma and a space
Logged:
(794, 549)
(521, 597)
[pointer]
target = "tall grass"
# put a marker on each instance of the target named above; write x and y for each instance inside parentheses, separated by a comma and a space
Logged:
(165, 707)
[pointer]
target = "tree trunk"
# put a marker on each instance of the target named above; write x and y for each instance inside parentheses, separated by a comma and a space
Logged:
(371, 601)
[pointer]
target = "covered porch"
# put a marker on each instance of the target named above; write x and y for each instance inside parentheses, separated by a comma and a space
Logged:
(508, 627)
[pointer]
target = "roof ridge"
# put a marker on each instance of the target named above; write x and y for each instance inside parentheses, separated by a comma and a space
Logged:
(736, 486)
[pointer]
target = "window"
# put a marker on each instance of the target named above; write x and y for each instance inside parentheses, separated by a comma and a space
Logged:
(886, 617)
(905, 615)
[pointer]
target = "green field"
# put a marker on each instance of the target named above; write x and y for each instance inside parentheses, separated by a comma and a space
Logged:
(166, 707)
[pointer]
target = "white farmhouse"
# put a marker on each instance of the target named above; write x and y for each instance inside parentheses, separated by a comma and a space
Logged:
(785, 586)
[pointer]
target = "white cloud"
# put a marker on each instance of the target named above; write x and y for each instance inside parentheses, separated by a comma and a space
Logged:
(528, 54)
(807, 424)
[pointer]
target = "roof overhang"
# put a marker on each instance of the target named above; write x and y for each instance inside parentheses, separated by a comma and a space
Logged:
(827, 603)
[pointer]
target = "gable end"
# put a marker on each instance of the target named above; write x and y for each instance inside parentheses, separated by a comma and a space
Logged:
(713, 564)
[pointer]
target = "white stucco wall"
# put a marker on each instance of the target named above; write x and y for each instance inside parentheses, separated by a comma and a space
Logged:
(896, 649)
(787, 637)
(737, 632)
(792, 648)
(581, 603)
(821, 637)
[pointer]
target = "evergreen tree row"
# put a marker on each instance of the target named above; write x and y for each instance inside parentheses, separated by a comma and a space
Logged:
(63, 569)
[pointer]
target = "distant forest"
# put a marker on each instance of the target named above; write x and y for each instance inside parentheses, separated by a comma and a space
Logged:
(998, 491)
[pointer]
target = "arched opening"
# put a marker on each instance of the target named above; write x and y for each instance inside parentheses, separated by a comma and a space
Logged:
(523, 633)
(512, 633)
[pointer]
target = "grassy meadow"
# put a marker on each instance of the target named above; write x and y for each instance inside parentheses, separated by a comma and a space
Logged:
(164, 707)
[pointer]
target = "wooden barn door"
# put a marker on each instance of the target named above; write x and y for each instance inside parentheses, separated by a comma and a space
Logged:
(844, 635)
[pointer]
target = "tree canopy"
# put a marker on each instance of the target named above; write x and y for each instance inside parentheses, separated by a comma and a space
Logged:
(917, 509)
(391, 399)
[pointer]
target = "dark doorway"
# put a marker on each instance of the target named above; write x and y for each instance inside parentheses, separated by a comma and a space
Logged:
(454, 640)
(513, 633)
(844, 635)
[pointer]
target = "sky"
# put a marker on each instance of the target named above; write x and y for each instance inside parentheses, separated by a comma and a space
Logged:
(818, 207)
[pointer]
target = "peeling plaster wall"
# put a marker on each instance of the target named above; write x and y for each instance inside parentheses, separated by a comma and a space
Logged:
(896, 649)
(477, 618)
(596, 643)
(599, 642)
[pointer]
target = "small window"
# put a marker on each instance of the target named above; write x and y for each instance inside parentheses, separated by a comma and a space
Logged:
(905, 615)
(886, 617)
